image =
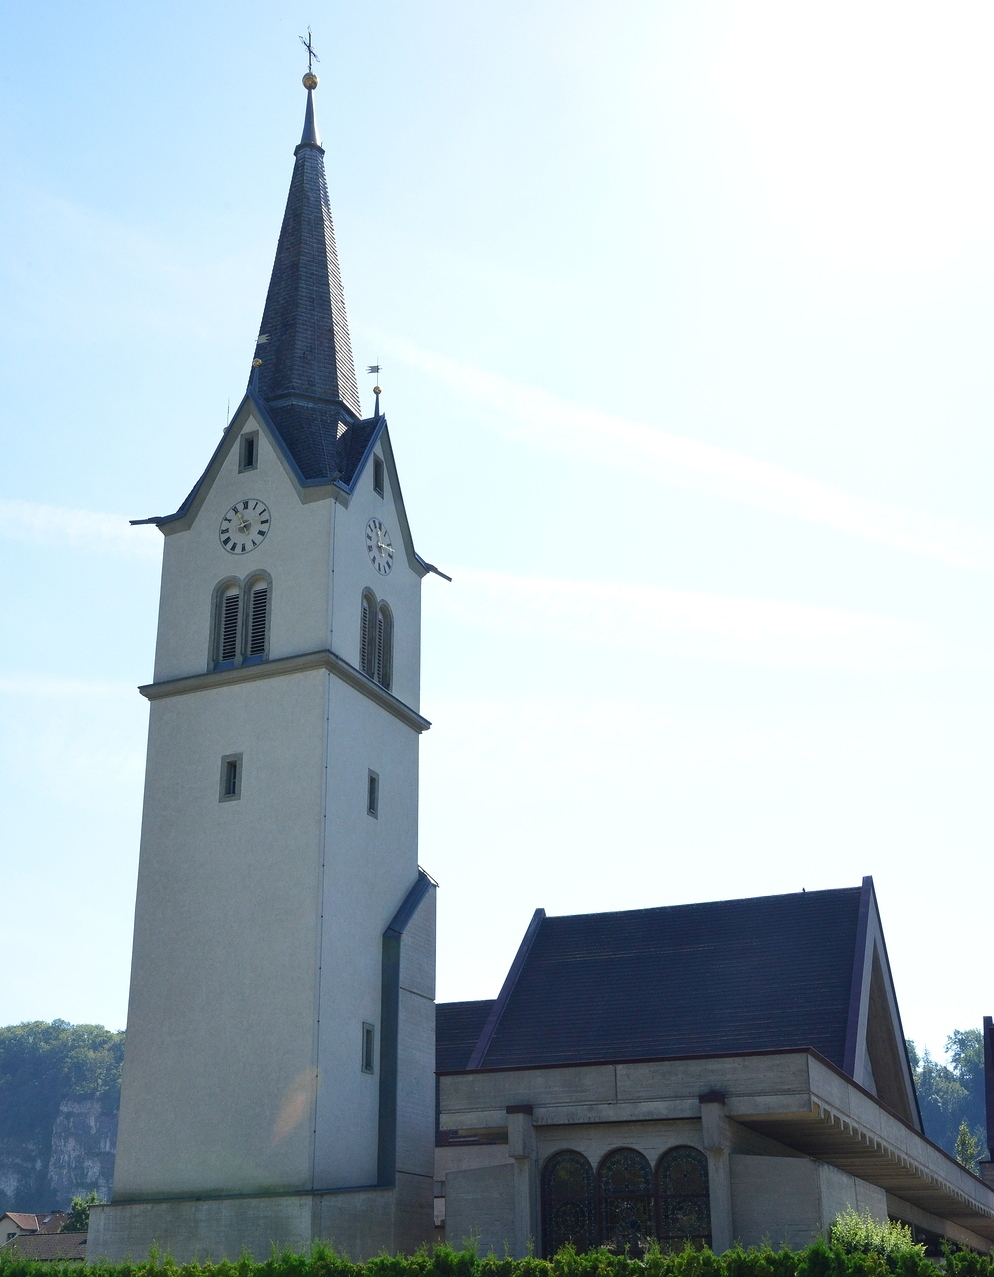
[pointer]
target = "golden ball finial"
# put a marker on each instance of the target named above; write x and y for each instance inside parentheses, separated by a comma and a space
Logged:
(377, 390)
(310, 80)
(256, 363)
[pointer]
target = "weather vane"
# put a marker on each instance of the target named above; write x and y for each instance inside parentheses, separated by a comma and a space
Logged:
(376, 369)
(311, 55)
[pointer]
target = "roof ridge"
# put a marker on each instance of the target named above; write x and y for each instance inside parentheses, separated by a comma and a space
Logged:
(703, 904)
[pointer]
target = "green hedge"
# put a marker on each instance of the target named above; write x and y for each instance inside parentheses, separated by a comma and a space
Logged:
(818, 1260)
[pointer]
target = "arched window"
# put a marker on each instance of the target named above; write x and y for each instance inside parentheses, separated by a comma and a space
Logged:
(376, 640)
(683, 1201)
(257, 619)
(569, 1213)
(624, 1191)
(367, 634)
(384, 646)
(227, 613)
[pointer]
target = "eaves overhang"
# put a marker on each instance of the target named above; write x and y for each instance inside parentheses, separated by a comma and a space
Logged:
(805, 1103)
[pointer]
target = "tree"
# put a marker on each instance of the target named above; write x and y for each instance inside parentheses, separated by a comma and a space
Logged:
(952, 1094)
(968, 1148)
(41, 1065)
(79, 1214)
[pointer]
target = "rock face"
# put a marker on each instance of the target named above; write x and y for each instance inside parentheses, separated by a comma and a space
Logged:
(60, 1090)
(84, 1140)
(73, 1158)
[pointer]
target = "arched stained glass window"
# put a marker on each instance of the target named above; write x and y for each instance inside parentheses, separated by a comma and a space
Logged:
(683, 1202)
(624, 1190)
(569, 1214)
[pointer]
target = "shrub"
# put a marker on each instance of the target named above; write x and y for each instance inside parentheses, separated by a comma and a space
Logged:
(856, 1234)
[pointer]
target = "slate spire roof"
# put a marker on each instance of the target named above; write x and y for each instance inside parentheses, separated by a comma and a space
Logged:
(307, 375)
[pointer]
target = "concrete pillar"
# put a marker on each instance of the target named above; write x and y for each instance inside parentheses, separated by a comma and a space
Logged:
(522, 1148)
(717, 1143)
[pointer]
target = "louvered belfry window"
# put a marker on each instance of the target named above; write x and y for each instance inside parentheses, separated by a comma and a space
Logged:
(376, 640)
(366, 626)
(384, 646)
(257, 619)
(227, 647)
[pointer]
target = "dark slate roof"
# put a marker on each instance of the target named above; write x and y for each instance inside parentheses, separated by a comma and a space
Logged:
(306, 378)
(325, 443)
(703, 979)
(457, 1027)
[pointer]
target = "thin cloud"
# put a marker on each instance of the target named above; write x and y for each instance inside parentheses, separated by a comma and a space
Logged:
(711, 627)
(544, 421)
(58, 527)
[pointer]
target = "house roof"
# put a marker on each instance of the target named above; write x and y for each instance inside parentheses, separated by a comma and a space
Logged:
(806, 970)
(47, 1222)
(698, 979)
(47, 1246)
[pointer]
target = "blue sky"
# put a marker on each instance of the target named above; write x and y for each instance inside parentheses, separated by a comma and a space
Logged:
(685, 312)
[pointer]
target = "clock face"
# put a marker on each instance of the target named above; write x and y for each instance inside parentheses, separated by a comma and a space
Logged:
(379, 546)
(244, 526)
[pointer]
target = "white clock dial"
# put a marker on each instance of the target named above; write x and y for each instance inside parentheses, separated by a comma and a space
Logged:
(379, 546)
(244, 526)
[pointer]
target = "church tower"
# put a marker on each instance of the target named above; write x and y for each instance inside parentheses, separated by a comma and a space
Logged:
(279, 1074)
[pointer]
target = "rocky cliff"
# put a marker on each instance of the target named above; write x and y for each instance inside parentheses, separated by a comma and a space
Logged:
(60, 1088)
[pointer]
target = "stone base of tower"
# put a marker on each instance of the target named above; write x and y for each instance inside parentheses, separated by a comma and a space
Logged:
(359, 1223)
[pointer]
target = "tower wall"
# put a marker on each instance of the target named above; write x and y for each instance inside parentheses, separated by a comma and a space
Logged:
(279, 1074)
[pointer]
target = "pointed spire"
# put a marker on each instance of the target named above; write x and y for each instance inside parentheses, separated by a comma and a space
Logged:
(304, 344)
(309, 137)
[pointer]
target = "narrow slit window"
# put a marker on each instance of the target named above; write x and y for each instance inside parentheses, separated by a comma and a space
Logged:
(367, 1048)
(227, 647)
(231, 778)
(248, 450)
(373, 794)
(257, 620)
(378, 476)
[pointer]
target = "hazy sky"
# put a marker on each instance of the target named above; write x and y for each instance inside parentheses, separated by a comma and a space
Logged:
(685, 311)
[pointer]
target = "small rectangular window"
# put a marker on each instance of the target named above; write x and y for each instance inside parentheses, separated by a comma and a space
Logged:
(231, 778)
(248, 449)
(367, 1048)
(373, 794)
(378, 476)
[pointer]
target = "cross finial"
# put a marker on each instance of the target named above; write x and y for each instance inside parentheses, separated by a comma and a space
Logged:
(312, 57)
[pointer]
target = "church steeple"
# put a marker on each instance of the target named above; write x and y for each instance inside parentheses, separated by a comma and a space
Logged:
(306, 366)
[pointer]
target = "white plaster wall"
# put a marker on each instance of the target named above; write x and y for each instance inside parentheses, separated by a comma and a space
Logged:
(258, 935)
(221, 1018)
(416, 1046)
(296, 553)
(400, 589)
(371, 864)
